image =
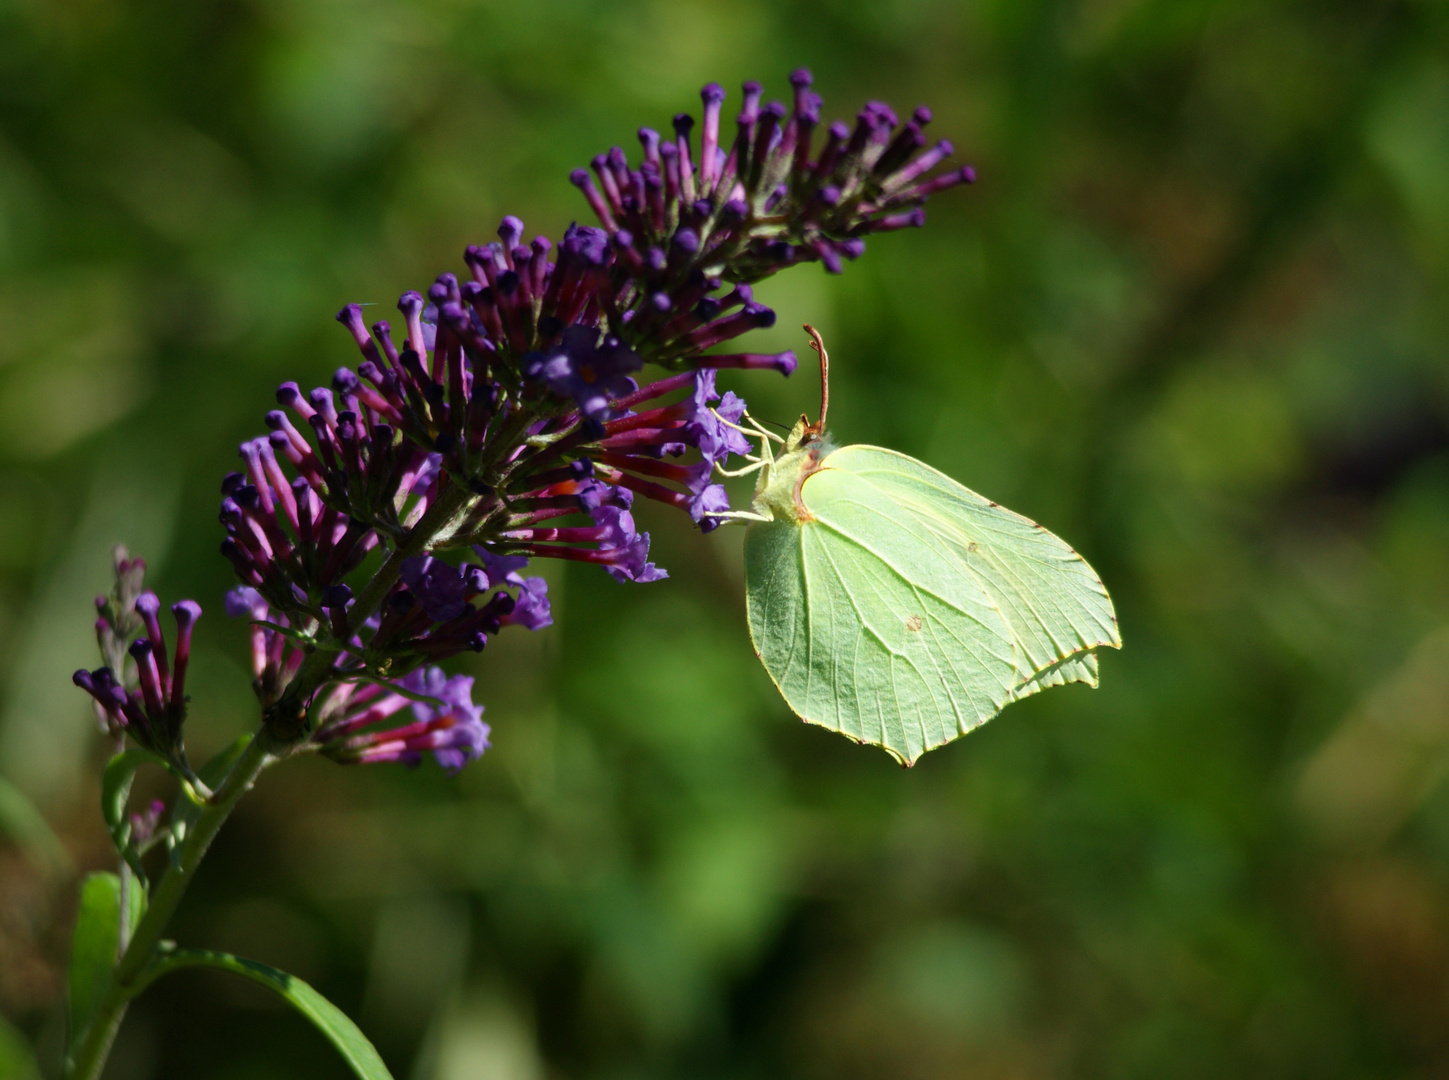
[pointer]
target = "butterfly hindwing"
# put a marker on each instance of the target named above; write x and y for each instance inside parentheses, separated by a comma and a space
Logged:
(867, 624)
(1054, 602)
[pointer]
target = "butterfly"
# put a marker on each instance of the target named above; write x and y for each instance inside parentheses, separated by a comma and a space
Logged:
(899, 608)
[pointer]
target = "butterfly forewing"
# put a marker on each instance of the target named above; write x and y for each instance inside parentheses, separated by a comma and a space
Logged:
(868, 624)
(1053, 601)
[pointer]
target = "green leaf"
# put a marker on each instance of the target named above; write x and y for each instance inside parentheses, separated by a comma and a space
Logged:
(17, 1060)
(23, 823)
(340, 1031)
(97, 941)
(115, 799)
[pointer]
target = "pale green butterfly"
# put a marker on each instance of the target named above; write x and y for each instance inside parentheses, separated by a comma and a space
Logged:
(895, 606)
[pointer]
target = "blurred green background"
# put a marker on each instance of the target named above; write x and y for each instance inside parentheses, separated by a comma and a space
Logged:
(1187, 319)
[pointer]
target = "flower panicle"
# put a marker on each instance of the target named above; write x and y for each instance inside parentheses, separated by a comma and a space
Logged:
(117, 621)
(512, 398)
(768, 199)
(145, 699)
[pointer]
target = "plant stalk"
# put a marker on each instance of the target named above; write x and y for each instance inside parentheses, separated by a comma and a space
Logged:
(93, 1047)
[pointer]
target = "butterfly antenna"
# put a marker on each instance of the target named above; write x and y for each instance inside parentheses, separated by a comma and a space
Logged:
(819, 346)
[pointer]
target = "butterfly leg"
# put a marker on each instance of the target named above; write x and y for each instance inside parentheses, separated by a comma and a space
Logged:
(766, 457)
(742, 517)
(756, 464)
(754, 431)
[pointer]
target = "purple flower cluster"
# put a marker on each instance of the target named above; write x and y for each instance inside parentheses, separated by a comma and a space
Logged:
(762, 205)
(445, 721)
(145, 699)
(506, 416)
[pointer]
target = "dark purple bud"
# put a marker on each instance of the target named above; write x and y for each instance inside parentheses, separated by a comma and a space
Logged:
(883, 113)
(438, 586)
(910, 220)
(336, 596)
(411, 304)
(322, 400)
(784, 362)
(649, 139)
(149, 675)
(713, 96)
(752, 91)
(351, 317)
(510, 230)
(964, 175)
(148, 606)
(186, 612)
(289, 396)
(585, 183)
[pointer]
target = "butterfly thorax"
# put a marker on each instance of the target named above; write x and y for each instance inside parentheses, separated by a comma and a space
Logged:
(777, 494)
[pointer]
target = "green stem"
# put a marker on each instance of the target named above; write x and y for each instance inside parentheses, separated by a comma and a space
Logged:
(126, 979)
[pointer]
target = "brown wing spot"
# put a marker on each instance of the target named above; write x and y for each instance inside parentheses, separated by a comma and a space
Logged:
(973, 546)
(914, 624)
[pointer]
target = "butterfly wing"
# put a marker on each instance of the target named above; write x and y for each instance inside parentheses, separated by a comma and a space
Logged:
(868, 623)
(1055, 604)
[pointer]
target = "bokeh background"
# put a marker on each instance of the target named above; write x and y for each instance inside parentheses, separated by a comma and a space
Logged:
(1192, 318)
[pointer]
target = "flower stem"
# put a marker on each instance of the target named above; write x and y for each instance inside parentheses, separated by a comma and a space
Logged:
(93, 1047)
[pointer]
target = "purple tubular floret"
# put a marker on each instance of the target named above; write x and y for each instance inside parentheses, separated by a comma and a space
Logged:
(784, 362)
(186, 612)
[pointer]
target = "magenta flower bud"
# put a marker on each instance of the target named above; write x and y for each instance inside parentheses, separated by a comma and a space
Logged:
(783, 362)
(149, 675)
(186, 612)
